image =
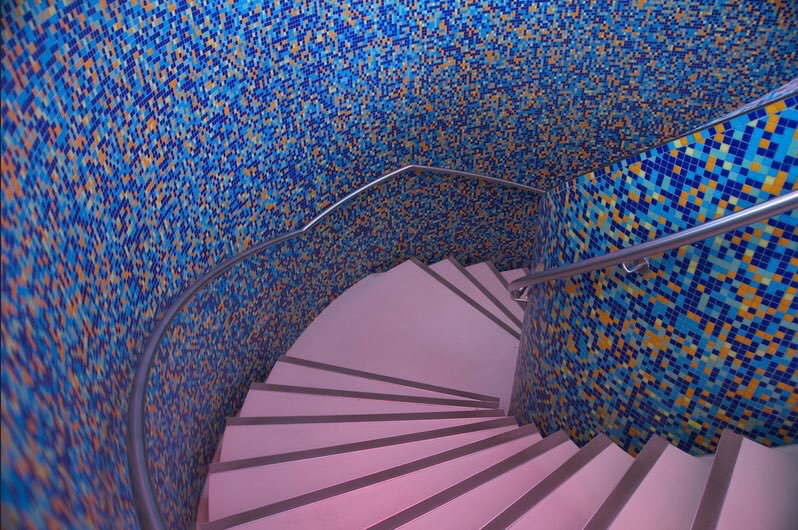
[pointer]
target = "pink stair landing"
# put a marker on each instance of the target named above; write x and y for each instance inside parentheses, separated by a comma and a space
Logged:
(390, 411)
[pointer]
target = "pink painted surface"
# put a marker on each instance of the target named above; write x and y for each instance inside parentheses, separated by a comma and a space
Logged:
(763, 492)
(364, 507)
(248, 441)
(271, 403)
(452, 274)
(202, 506)
(669, 495)
(407, 324)
(479, 506)
(510, 276)
(485, 276)
(575, 501)
(292, 374)
(244, 489)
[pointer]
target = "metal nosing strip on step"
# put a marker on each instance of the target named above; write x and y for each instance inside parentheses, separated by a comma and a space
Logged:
(449, 494)
(385, 378)
(711, 503)
(362, 445)
(631, 480)
(240, 421)
(490, 316)
(545, 487)
(484, 290)
(373, 395)
(368, 480)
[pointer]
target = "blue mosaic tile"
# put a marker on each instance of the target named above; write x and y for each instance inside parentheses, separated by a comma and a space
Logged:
(233, 332)
(145, 141)
(704, 341)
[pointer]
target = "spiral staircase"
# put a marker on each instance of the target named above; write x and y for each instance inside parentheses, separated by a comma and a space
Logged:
(390, 411)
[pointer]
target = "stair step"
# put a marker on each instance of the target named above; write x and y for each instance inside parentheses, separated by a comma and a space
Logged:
(660, 490)
(249, 488)
(453, 272)
(474, 501)
(510, 328)
(569, 496)
(407, 324)
(296, 371)
(512, 275)
(265, 399)
(487, 274)
(749, 486)
(362, 445)
(250, 441)
(362, 506)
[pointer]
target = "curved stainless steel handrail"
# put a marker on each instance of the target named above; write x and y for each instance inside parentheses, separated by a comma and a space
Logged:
(727, 223)
(147, 508)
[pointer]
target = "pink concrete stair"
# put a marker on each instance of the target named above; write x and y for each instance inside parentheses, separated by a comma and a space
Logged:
(364, 501)
(660, 490)
(304, 473)
(487, 274)
(266, 399)
(749, 486)
(473, 502)
(388, 412)
(453, 272)
(571, 494)
(422, 329)
(249, 439)
(305, 372)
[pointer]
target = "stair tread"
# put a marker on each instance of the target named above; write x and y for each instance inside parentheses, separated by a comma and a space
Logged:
(668, 495)
(250, 441)
(351, 418)
(365, 506)
(510, 328)
(487, 275)
(371, 443)
(749, 486)
(245, 489)
(267, 402)
(481, 501)
(514, 274)
(295, 370)
(377, 396)
(569, 496)
(457, 275)
(374, 317)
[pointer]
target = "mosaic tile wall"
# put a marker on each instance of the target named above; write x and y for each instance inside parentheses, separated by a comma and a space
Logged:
(145, 141)
(704, 341)
(267, 302)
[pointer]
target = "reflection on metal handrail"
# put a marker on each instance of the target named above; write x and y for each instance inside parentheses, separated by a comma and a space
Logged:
(147, 509)
(789, 201)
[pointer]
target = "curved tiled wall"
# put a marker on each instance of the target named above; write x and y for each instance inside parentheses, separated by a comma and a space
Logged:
(704, 341)
(144, 142)
(232, 333)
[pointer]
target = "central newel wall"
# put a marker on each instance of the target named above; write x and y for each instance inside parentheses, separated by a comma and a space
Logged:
(706, 340)
(145, 141)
